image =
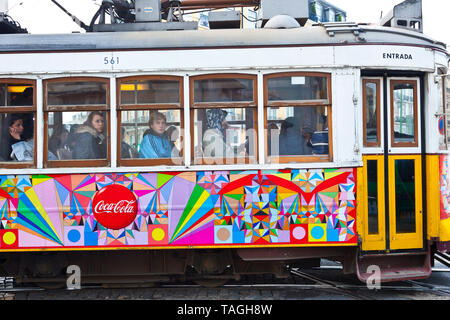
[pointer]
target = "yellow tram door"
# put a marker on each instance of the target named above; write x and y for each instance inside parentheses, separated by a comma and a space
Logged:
(391, 207)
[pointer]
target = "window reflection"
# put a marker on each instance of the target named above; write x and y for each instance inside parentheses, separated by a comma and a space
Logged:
(404, 112)
(295, 131)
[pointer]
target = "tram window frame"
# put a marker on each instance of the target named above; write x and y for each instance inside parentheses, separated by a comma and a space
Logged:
(74, 108)
(22, 109)
(251, 104)
(150, 107)
(377, 82)
(327, 103)
(405, 144)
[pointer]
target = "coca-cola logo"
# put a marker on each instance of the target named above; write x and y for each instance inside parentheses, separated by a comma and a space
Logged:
(114, 206)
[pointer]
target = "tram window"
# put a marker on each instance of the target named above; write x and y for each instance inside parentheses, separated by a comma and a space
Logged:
(443, 127)
(16, 94)
(150, 121)
(372, 196)
(298, 117)
(224, 135)
(76, 93)
(151, 134)
(17, 137)
(404, 113)
(17, 123)
(297, 131)
(447, 107)
(76, 116)
(371, 96)
(77, 135)
(223, 90)
(224, 119)
(405, 196)
(155, 91)
(297, 88)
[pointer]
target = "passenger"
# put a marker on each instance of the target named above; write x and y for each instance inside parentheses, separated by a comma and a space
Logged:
(291, 138)
(89, 140)
(155, 143)
(72, 136)
(58, 140)
(26, 99)
(11, 134)
(127, 151)
(319, 139)
(172, 134)
(214, 142)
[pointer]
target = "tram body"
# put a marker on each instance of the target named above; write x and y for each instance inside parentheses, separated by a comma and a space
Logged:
(378, 196)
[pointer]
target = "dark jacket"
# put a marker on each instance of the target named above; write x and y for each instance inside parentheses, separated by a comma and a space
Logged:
(89, 144)
(6, 149)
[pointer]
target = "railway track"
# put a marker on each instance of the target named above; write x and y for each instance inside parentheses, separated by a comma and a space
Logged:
(301, 284)
(317, 279)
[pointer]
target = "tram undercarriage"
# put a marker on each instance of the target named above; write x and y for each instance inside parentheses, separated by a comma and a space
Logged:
(206, 267)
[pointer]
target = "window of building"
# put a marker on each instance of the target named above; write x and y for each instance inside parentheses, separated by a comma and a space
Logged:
(298, 117)
(224, 116)
(17, 123)
(151, 122)
(76, 112)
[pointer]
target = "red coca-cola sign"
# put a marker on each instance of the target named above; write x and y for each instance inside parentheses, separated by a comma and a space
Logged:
(114, 206)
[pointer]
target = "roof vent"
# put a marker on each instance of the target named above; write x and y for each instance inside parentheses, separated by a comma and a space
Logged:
(224, 19)
(407, 15)
(282, 21)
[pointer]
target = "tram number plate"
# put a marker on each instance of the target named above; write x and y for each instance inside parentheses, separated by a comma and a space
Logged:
(111, 61)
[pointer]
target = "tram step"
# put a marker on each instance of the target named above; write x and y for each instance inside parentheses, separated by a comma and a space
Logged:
(394, 267)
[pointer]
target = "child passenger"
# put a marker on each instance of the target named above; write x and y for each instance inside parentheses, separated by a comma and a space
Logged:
(155, 143)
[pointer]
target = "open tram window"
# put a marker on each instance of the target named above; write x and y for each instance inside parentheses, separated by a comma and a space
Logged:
(224, 117)
(298, 117)
(76, 114)
(150, 120)
(371, 112)
(17, 123)
(404, 113)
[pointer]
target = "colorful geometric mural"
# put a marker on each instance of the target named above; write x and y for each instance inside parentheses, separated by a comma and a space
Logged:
(179, 209)
(444, 225)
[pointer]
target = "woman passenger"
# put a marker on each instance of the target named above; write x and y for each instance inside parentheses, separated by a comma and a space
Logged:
(155, 143)
(11, 135)
(89, 140)
(214, 141)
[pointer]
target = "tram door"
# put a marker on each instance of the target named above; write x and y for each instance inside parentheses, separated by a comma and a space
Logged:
(391, 191)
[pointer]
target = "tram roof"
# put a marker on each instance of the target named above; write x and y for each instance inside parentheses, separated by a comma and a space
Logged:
(179, 39)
